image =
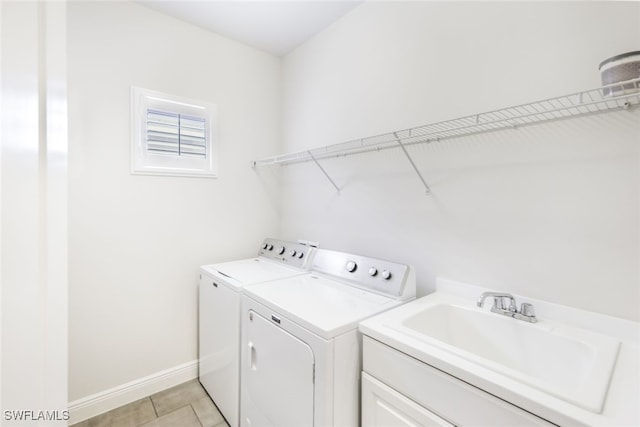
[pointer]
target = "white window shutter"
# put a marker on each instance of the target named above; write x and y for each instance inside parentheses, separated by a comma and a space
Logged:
(176, 134)
(172, 135)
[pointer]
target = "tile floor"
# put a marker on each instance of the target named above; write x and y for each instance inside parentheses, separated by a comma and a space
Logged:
(185, 405)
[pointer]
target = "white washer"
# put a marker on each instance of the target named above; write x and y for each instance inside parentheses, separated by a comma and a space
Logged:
(219, 315)
(301, 348)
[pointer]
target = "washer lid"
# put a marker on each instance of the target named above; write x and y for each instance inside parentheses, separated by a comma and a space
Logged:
(244, 272)
(326, 307)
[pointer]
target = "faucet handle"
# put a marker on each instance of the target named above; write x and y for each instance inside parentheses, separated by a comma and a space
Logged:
(500, 302)
(527, 309)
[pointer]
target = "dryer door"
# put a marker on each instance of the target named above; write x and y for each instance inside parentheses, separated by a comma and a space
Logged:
(277, 376)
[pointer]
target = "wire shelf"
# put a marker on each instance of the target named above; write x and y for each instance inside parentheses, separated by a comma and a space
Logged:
(618, 96)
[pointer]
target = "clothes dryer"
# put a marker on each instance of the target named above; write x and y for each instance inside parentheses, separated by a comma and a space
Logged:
(301, 349)
(219, 315)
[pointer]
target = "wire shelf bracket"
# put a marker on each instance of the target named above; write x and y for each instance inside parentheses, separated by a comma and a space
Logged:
(605, 99)
(415, 168)
(324, 171)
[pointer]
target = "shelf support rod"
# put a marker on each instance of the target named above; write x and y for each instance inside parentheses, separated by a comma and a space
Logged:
(323, 171)
(415, 168)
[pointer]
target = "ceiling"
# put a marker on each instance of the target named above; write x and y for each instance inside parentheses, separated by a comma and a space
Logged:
(277, 27)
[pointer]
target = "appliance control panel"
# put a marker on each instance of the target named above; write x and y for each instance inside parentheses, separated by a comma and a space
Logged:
(376, 275)
(291, 253)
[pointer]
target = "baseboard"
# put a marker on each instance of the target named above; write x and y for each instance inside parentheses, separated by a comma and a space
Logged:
(107, 400)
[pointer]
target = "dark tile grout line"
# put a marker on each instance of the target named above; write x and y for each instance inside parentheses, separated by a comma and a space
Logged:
(196, 414)
(155, 411)
(190, 405)
(171, 412)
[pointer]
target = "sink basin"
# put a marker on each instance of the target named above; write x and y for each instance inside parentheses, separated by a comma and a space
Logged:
(569, 363)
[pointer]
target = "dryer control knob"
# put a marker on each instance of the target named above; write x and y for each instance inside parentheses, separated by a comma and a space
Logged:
(373, 271)
(351, 266)
(300, 255)
(280, 250)
(265, 246)
(386, 275)
(270, 247)
(292, 253)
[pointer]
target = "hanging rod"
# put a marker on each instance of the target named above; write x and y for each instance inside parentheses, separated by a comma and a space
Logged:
(604, 99)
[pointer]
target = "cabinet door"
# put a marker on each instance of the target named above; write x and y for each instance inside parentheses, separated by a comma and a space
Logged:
(382, 406)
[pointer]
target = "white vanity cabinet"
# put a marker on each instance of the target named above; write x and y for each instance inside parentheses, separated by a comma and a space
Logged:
(399, 391)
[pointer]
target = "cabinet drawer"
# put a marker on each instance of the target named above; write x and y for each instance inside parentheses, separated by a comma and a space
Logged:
(457, 401)
(382, 406)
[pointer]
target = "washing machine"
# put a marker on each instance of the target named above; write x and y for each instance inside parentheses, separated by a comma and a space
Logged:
(301, 349)
(219, 315)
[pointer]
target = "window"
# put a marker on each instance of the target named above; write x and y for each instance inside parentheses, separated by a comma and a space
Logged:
(171, 135)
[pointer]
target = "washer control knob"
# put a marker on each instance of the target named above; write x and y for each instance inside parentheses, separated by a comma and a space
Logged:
(351, 266)
(270, 247)
(386, 274)
(265, 246)
(300, 255)
(373, 271)
(280, 250)
(292, 253)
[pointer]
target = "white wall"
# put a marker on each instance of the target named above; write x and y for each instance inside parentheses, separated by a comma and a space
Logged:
(136, 241)
(33, 198)
(550, 211)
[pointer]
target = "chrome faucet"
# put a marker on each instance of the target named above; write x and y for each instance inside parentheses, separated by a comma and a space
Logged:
(526, 312)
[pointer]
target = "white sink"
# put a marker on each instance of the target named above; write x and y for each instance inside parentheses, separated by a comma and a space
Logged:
(570, 363)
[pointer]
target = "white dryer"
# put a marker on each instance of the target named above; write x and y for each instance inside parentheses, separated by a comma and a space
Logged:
(219, 315)
(301, 349)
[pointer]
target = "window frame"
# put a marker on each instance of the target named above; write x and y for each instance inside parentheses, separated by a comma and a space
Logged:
(146, 162)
